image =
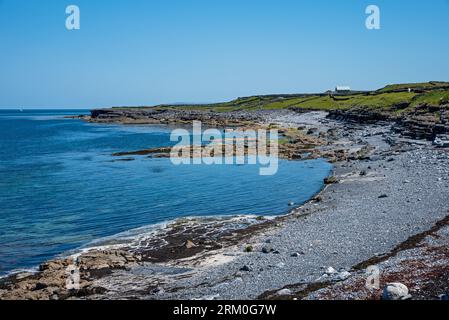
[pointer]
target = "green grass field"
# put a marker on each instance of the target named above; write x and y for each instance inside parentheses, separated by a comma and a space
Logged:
(432, 85)
(434, 98)
(396, 98)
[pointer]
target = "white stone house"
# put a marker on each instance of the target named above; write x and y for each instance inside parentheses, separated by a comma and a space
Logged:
(342, 89)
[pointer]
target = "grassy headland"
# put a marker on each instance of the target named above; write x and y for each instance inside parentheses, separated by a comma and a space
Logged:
(395, 99)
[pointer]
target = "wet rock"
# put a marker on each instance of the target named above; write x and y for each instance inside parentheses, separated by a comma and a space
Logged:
(330, 180)
(124, 160)
(395, 291)
(23, 275)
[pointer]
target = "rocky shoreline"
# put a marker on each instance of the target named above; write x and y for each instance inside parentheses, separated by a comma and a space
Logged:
(425, 122)
(386, 189)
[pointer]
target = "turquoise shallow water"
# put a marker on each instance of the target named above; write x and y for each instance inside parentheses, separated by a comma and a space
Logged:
(60, 189)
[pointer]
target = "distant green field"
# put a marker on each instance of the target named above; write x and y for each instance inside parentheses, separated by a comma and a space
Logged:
(380, 101)
(383, 101)
(416, 86)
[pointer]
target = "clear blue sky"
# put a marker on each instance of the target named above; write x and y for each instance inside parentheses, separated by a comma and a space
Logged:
(163, 51)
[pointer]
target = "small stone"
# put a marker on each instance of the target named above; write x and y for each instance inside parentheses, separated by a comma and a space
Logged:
(330, 271)
(284, 292)
(395, 291)
(266, 250)
(189, 244)
(291, 204)
(245, 268)
(280, 265)
(157, 290)
(297, 254)
(383, 196)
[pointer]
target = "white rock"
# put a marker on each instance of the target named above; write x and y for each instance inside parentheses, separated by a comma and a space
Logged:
(330, 271)
(395, 291)
(210, 298)
(284, 292)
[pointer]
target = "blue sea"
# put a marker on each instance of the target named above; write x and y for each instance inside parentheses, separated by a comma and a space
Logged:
(60, 188)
